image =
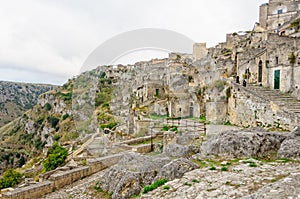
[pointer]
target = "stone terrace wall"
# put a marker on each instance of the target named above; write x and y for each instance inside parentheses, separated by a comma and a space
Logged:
(30, 192)
(62, 179)
(246, 108)
(68, 177)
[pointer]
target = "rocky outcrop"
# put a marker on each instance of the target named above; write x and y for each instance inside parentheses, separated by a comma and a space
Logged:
(267, 180)
(128, 177)
(290, 147)
(243, 144)
(176, 169)
(288, 187)
(135, 171)
(177, 150)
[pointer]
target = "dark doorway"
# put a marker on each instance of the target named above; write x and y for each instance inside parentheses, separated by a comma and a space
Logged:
(192, 109)
(260, 71)
(277, 79)
(157, 92)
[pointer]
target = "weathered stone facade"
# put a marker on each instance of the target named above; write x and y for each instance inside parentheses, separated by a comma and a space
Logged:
(276, 13)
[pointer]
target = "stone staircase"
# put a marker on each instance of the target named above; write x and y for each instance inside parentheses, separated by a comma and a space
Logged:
(283, 100)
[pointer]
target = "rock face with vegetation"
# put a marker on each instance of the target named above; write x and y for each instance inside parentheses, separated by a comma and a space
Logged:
(35, 130)
(16, 98)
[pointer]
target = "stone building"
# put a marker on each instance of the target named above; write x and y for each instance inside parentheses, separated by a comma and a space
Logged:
(269, 55)
(277, 13)
(194, 85)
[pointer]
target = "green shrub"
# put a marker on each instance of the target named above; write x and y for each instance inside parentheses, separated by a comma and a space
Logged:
(166, 187)
(153, 186)
(220, 85)
(47, 106)
(98, 188)
(187, 184)
(224, 168)
(227, 123)
(202, 118)
(102, 75)
(195, 181)
(252, 164)
(56, 137)
(53, 121)
(83, 162)
(292, 58)
(109, 125)
(213, 168)
(66, 96)
(169, 127)
(56, 156)
(104, 96)
(39, 144)
(10, 178)
(65, 116)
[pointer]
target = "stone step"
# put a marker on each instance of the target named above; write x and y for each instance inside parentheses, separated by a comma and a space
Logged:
(293, 107)
(295, 110)
(281, 99)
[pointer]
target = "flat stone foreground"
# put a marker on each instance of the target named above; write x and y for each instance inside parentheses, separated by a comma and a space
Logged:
(274, 180)
(267, 180)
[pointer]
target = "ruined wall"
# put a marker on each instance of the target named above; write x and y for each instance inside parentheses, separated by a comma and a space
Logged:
(216, 112)
(263, 15)
(199, 50)
(247, 109)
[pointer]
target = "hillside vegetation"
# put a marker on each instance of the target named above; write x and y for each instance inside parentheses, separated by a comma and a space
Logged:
(15, 98)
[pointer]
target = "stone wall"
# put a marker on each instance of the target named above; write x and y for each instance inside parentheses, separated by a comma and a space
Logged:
(145, 148)
(30, 192)
(67, 177)
(199, 50)
(62, 179)
(216, 112)
(247, 109)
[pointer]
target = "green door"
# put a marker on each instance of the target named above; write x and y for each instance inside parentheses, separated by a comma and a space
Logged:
(276, 79)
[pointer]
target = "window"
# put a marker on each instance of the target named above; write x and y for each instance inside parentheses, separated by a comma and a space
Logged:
(279, 11)
(298, 60)
(276, 60)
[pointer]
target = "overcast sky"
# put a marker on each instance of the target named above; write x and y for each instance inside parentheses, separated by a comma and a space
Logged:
(47, 41)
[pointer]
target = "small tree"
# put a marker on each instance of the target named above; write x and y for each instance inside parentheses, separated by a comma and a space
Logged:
(10, 178)
(56, 156)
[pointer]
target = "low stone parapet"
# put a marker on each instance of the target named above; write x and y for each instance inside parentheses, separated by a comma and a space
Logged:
(145, 148)
(30, 192)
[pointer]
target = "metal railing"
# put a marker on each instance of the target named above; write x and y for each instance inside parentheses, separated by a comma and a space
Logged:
(191, 126)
